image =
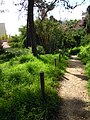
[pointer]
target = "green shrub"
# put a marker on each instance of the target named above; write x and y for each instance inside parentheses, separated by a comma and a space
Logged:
(84, 53)
(16, 41)
(87, 68)
(85, 57)
(40, 50)
(12, 53)
(75, 51)
(85, 40)
(27, 105)
(20, 90)
(26, 58)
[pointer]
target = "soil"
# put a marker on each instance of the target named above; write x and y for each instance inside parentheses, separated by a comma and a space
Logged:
(73, 91)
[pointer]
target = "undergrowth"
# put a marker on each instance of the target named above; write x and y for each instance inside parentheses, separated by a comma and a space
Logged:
(85, 58)
(20, 90)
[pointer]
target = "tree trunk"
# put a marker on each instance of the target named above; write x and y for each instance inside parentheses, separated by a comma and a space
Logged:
(27, 40)
(31, 32)
(28, 33)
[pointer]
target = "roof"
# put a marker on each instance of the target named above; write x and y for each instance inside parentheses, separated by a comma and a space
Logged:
(2, 29)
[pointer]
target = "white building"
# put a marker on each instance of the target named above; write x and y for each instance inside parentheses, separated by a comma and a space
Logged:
(2, 29)
(3, 32)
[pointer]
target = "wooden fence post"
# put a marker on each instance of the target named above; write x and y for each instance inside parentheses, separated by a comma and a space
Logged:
(42, 84)
(59, 57)
(55, 62)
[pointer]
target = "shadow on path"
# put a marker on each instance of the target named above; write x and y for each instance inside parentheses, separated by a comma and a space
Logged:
(74, 63)
(81, 76)
(75, 104)
(79, 108)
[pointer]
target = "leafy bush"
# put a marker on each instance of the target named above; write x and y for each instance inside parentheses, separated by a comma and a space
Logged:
(75, 51)
(85, 53)
(40, 50)
(85, 57)
(85, 40)
(87, 68)
(11, 53)
(26, 58)
(27, 105)
(16, 41)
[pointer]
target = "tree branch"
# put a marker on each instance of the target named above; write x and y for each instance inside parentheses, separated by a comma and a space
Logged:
(67, 4)
(47, 6)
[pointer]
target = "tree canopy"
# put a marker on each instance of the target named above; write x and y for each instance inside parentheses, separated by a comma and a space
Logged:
(43, 8)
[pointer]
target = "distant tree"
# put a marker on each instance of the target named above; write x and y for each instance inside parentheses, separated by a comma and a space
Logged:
(44, 7)
(88, 9)
(1, 3)
(16, 41)
(52, 18)
(49, 34)
(88, 19)
(86, 23)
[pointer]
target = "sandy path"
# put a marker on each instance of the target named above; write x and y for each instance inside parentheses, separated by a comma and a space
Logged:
(76, 102)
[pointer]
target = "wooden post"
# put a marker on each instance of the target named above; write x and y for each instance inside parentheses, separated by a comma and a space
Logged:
(55, 61)
(59, 57)
(42, 84)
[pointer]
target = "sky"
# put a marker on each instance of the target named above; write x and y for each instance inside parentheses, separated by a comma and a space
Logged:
(13, 21)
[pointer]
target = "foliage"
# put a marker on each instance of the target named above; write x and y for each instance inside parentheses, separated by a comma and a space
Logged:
(73, 35)
(85, 53)
(48, 34)
(88, 74)
(52, 35)
(4, 37)
(71, 23)
(85, 49)
(85, 57)
(74, 51)
(40, 50)
(12, 52)
(17, 41)
(85, 40)
(20, 94)
(87, 20)
(78, 35)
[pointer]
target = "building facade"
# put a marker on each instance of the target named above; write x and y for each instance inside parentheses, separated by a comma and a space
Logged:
(2, 29)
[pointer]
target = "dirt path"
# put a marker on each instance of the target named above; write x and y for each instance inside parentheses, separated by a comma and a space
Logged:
(76, 102)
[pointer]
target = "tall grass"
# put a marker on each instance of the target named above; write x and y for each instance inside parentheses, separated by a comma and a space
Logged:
(20, 91)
